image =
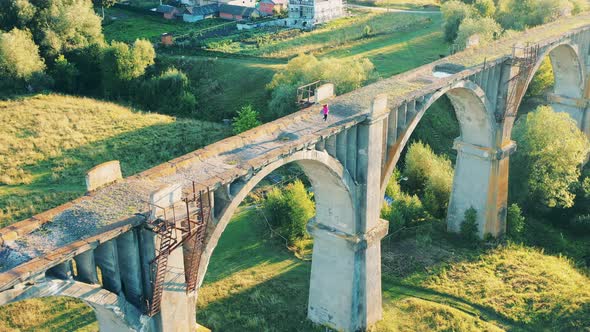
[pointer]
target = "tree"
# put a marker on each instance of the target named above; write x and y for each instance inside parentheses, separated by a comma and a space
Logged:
(454, 12)
(485, 8)
(543, 80)
(486, 28)
(62, 26)
(16, 14)
(65, 75)
(104, 4)
(469, 227)
(546, 167)
(121, 64)
(430, 176)
(290, 209)
(514, 221)
(519, 14)
(168, 93)
(19, 57)
(247, 118)
(346, 74)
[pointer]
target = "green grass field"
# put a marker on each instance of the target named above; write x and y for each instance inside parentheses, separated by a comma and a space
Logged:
(400, 4)
(254, 283)
(50, 141)
(125, 25)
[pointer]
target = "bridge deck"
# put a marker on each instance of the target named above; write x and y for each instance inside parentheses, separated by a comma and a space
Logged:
(58, 234)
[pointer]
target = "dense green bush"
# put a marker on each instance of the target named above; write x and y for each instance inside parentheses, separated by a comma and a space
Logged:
(515, 222)
(19, 58)
(430, 176)
(406, 210)
(168, 93)
(546, 167)
(289, 210)
(247, 118)
(347, 74)
(486, 28)
(454, 12)
(581, 224)
(542, 81)
(121, 64)
(469, 227)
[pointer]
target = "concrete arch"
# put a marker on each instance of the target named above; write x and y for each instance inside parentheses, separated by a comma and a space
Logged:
(569, 74)
(331, 183)
(474, 114)
(113, 312)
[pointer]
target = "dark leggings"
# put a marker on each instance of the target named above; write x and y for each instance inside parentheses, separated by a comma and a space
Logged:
(325, 117)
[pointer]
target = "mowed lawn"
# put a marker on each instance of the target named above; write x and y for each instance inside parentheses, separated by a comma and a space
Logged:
(400, 4)
(127, 26)
(48, 142)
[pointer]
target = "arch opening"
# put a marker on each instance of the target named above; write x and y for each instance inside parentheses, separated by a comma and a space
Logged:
(259, 273)
(557, 80)
(467, 184)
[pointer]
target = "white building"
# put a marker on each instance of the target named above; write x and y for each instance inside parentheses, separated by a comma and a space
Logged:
(307, 13)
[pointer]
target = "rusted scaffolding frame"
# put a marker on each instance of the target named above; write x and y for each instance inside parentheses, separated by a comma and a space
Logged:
(193, 228)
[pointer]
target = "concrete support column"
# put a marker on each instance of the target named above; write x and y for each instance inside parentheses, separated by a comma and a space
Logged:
(481, 182)
(86, 267)
(108, 261)
(61, 271)
(178, 309)
(345, 286)
(130, 268)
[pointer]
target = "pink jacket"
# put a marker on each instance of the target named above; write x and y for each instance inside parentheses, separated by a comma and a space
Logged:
(325, 110)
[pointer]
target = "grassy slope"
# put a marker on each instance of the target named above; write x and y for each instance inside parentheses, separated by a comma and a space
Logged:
(222, 93)
(50, 141)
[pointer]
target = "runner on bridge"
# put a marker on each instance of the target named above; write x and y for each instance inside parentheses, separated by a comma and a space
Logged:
(325, 111)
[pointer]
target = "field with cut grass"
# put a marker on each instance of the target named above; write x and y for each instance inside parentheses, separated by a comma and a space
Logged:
(48, 142)
(368, 29)
(126, 25)
(400, 4)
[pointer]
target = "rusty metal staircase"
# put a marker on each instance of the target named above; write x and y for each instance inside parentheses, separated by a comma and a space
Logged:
(198, 243)
(525, 58)
(193, 227)
(160, 264)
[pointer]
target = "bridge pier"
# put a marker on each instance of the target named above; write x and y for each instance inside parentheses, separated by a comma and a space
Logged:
(345, 286)
(481, 182)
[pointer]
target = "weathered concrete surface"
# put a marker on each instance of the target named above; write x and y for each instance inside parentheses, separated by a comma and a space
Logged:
(103, 174)
(324, 92)
(112, 312)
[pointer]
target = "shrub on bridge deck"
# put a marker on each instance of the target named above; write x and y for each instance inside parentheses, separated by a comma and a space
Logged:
(546, 167)
(290, 209)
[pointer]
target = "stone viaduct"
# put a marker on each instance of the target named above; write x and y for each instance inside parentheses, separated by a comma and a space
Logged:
(97, 248)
